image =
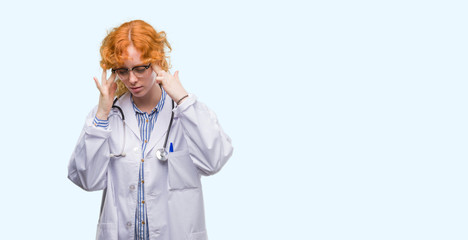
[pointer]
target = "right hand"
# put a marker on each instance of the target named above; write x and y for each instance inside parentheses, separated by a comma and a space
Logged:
(107, 88)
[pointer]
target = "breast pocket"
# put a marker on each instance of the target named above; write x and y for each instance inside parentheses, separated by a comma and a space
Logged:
(182, 173)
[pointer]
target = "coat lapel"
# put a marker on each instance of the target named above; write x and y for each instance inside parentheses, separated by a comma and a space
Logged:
(130, 118)
(162, 123)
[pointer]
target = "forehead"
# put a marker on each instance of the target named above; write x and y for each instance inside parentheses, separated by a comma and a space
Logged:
(133, 57)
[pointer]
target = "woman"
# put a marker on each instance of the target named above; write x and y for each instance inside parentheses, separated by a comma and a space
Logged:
(122, 148)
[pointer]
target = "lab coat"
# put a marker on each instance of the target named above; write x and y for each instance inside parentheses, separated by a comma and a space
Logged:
(173, 191)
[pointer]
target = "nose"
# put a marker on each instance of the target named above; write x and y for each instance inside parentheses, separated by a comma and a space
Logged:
(132, 78)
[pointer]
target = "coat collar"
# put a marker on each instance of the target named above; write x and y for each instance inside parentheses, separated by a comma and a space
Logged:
(161, 125)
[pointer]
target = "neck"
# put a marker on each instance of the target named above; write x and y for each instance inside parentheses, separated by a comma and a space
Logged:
(150, 100)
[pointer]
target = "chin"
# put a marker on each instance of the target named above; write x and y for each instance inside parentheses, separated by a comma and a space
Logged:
(138, 95)
(141, 93)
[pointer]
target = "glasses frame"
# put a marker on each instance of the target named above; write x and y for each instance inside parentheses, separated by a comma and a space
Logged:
(131, 70)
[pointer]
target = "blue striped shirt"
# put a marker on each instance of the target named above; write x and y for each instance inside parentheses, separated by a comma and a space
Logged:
(101, 123)
(146, 123)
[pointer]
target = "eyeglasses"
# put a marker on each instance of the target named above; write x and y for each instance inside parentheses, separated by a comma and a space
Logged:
(124, 73)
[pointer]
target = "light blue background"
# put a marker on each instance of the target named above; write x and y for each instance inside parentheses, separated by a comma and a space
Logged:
(348, 118)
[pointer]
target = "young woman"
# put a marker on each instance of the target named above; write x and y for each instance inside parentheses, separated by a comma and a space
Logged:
(147, 143)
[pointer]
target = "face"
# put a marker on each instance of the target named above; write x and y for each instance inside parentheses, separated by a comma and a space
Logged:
(141, 85)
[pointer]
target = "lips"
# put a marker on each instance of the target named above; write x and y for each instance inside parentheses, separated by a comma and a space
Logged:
(136, 89)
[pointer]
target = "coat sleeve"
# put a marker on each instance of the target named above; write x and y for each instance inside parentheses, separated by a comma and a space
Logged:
(209, 147)
(88, 164)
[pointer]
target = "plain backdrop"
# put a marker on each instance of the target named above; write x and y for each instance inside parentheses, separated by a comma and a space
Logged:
(348, 118)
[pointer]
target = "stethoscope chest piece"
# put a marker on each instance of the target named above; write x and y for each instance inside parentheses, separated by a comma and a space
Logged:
(161, 154)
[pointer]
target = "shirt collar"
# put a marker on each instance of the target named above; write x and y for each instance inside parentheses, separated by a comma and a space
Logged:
(156, 109)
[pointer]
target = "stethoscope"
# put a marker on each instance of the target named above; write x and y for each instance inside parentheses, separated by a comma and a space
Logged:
(161, 154)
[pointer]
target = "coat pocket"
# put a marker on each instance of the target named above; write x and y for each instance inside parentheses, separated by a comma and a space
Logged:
(107, 231)
(198, 236)
(182, 173)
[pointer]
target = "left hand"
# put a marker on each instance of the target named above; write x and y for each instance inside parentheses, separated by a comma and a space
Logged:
(169, 82)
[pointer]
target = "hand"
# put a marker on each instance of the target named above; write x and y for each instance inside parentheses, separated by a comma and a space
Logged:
(169, 82)
(107, 89)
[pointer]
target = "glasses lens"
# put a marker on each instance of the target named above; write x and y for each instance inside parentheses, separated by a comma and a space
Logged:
(139, 71)
(123, 73)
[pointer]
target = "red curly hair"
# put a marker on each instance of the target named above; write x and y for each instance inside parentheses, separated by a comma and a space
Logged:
(143, 37)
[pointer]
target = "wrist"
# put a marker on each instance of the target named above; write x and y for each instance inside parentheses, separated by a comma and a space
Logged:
(102, 115)
(100, 123)
(177, 95)
(181, 99)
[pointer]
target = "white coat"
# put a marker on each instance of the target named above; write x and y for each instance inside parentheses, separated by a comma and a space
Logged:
(173, 191)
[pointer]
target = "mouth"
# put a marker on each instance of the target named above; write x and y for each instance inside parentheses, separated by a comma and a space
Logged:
(135, 88)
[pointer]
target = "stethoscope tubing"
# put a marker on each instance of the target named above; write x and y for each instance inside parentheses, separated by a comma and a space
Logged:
(170, 125)
(121, 154)
(161, 154)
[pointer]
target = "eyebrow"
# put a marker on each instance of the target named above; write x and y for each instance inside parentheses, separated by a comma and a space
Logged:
(131, 67)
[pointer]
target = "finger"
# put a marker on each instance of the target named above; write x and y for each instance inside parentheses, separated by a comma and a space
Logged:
(176, 75)
(162, 73)
(104, 75)
(160, 79)
(114, 86)
(156, 68)
(97, 83)
(112, 77)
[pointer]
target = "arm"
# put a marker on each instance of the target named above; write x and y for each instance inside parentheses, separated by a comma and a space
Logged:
(88, 164)
(209, 147)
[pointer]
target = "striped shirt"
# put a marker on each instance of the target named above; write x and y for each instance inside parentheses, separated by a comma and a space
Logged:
(146, 123)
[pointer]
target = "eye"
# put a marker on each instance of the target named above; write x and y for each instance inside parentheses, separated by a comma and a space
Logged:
(140, 69)
(121, 71)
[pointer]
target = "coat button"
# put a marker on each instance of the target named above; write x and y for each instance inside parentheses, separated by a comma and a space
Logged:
(132, 187)
(129, 224)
